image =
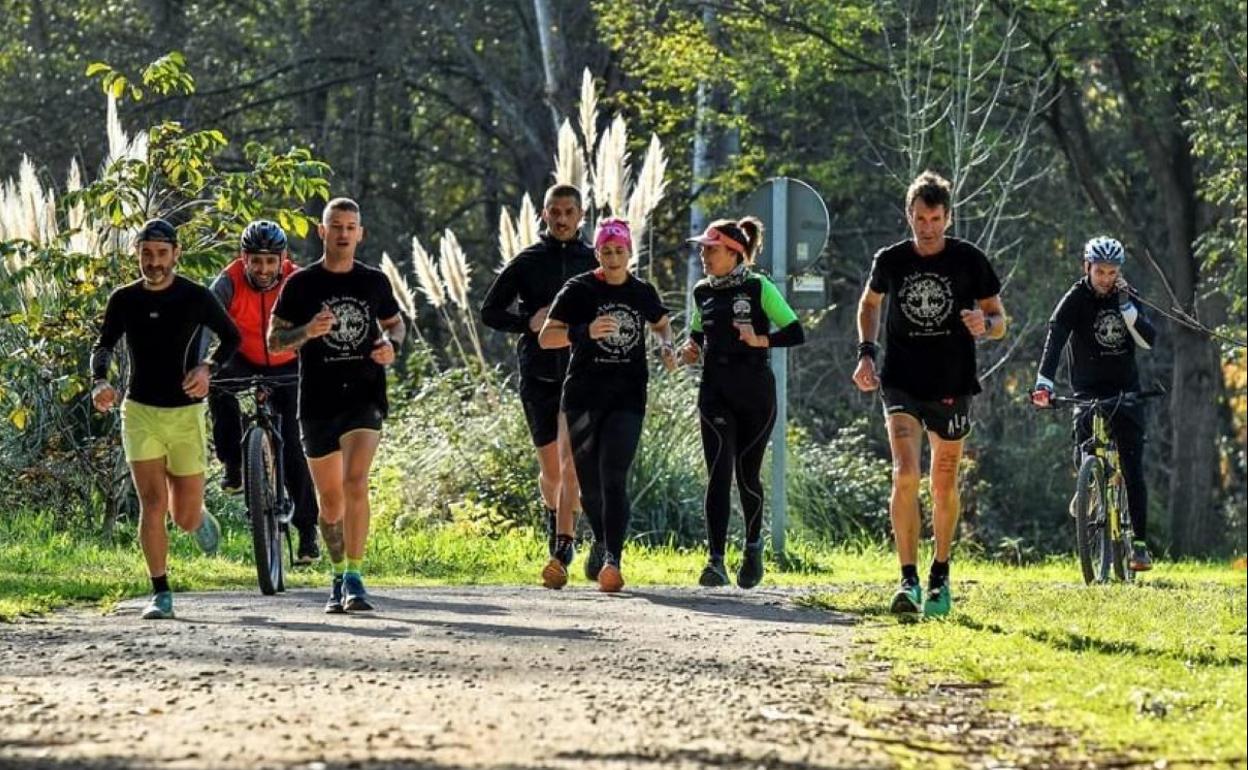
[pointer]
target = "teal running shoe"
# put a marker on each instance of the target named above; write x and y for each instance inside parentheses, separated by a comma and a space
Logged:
(908, 600)
(160, 607)
(938, 602)
(208, 536)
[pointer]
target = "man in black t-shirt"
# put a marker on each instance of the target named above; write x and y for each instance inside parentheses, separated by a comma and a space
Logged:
(1104, 328)
(342, 317)
(530, 282)
(944, 296)
(162, 317)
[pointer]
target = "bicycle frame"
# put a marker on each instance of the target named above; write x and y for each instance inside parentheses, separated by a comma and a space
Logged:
(264, 419)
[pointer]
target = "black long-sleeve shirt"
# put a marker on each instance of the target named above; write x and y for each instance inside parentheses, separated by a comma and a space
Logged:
(1102, 345)
(162, 330)
(531, 280)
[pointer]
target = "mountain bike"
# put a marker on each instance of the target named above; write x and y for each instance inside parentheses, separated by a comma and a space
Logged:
(1102, 525)
(269, 509)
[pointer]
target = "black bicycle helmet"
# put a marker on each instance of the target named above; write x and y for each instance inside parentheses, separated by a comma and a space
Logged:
(263, 237)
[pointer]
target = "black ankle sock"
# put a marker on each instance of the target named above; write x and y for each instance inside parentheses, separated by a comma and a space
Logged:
(939, 574)
(160, 584)
(910, 574)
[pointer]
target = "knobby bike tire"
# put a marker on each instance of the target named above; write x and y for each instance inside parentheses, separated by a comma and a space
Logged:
(260, 477)
(1089, 517)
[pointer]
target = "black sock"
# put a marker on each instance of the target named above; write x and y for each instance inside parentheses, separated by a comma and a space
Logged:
(939, 574)
(160, 584)
(910, 574)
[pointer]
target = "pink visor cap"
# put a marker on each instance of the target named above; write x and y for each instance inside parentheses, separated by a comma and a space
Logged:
(716, 237)
(613, 231)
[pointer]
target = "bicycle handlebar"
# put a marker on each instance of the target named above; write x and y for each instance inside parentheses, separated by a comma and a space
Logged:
(1117, 400)
(239, 384)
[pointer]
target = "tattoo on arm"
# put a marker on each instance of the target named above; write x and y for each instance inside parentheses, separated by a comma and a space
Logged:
(283, 335)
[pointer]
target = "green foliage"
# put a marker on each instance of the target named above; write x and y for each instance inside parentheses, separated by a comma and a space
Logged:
(55, 282)
(839, 490)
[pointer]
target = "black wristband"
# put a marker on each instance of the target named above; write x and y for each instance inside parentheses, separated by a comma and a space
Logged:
(868, 349)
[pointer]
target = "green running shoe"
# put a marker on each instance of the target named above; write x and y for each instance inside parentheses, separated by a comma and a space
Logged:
(938, 602)
(160, 607)
(908, 600)
(208, 536)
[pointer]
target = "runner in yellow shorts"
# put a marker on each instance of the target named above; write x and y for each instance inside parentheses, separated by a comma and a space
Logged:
(161, 316)
(175, 434)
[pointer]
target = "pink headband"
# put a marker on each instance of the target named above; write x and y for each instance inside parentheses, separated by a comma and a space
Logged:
(613, 231)
(716, 237)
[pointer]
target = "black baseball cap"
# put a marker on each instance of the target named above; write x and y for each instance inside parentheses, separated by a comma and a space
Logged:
(157, 230)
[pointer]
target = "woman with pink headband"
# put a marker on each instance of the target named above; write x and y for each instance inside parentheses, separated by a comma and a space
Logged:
(603, 315)
(734, 310)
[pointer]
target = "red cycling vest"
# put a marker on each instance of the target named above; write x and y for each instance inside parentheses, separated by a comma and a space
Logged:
(250, 309)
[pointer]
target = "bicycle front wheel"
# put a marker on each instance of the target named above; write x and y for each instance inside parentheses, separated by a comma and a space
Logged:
(260, 481)
(1119, 535)
(1090, 519)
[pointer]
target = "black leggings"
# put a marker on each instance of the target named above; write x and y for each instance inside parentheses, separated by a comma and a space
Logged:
(737, 405)
(1126, 425)
(603, 446)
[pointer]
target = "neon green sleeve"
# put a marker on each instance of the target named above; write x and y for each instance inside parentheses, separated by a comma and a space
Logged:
(695, 321)
(777, 310)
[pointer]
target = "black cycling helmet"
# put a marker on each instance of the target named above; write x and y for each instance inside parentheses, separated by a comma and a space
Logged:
(263, 237)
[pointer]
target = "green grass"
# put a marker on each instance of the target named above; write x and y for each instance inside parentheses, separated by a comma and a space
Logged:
(1156, 669)
(42, 569)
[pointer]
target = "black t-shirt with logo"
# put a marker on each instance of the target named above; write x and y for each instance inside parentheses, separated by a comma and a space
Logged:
(336, 371)
(1102, 348)
(929, 353)
(611, 372)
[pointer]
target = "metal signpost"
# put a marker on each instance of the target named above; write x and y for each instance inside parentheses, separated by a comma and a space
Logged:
(797, 223)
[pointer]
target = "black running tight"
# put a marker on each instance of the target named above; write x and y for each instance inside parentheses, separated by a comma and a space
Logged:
(737, 405)
(604, 443)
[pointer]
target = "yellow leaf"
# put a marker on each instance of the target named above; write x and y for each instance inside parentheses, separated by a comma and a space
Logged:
(18, 417)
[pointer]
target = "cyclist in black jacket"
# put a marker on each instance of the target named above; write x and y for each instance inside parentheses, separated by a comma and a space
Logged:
(530, 281)
(1104, 327)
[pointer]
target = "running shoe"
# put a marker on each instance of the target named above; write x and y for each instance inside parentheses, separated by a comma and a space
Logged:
(334, 605)
(1141, 560)
(609, 578)
(160, 607)
(355, 598)
(208, 535)
(750, 573)
(714, 574)
(938, 601)
(908, 600)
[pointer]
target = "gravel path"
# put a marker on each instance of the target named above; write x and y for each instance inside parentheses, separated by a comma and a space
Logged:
(438, 678)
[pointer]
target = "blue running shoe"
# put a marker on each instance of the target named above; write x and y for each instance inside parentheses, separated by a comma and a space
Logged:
(355, 598)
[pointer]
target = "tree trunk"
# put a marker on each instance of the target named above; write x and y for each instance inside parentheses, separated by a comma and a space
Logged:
(709, 146)
(551, 36)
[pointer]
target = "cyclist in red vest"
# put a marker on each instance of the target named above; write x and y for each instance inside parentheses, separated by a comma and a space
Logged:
(248, 289)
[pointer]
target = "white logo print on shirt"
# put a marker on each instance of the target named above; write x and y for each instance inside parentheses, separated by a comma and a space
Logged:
(626, 337)
(1110, 330)
(926, 301)
(350, 327)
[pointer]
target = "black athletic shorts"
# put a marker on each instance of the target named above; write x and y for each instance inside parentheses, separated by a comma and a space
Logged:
(540, 399)
(323, 437)
(949, 418)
